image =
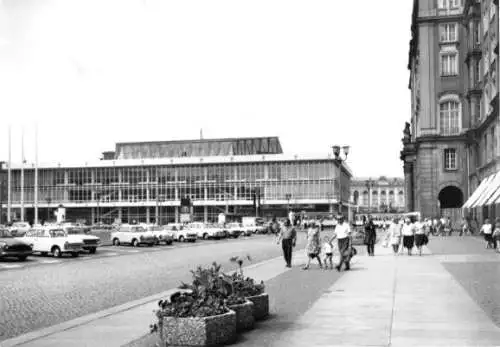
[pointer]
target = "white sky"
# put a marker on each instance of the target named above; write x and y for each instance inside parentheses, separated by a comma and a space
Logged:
(315, 73)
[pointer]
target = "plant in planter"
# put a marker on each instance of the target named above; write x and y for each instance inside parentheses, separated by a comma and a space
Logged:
(198, 315)
(254, 292)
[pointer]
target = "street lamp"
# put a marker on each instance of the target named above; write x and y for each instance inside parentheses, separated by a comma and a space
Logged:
(339, 160)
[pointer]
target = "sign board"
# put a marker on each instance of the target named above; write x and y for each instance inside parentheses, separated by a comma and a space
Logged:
(222, 218)
(185, 217)
(60, 214)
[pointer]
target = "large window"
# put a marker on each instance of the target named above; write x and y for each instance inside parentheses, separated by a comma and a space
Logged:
(449, 64)
(450, 159)
(449, 118)
(448, 4)
(448, 32)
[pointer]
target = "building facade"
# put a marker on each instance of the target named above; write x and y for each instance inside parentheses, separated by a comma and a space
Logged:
(450, 104)
(149, 188)
(378, 195)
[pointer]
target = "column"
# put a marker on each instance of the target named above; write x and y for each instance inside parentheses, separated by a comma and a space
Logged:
(92, 215)
(147, 187)
(120, 214)
(205, 214)
(147, 215)
(408, 170)
(176, 211)
(369, 199)
(66, 181)
(120, 181)
(379, 199)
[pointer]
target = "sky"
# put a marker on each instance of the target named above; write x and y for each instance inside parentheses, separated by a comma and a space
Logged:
(90, 73)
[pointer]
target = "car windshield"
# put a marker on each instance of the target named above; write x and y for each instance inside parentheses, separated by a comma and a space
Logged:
(57, 233)
(73, 231)
(137, 229)
(5, 234)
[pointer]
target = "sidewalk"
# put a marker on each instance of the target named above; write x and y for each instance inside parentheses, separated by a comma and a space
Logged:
(394, 301)
(384, 300)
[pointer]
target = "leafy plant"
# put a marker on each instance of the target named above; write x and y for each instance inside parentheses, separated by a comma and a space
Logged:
(240, 261)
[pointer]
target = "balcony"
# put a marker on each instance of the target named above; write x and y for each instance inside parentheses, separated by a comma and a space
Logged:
(450, 131)
(476, 87)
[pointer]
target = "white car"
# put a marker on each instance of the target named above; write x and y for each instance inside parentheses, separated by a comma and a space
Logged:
(162, 234)
(19, 228)
(233, 229)
(134, 235)
(182, 233)
(90, 242)
(249, 229)
(207, 231)
(54, 241)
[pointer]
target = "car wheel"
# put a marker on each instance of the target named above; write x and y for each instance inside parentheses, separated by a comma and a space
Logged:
(169, 243)
(75, 254)
(181, 238)
(56, 252)
(116, 242)
(93, 250)
(205, 236)
(22, 257)
(157, 242)
(44, 254)
(135, 243)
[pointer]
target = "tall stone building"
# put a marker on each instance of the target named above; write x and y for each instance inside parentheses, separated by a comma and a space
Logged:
(442, 142)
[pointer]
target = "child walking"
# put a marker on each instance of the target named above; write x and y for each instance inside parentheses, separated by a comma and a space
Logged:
(328, 251)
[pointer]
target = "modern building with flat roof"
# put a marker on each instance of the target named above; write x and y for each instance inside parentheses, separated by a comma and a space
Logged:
(147, 181)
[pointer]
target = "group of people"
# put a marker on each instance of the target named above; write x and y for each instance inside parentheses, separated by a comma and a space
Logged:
(408, 234)
(316, 249)
(491, 234)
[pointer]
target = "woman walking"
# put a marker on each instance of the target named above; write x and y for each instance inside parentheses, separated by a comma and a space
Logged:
(408, 235)
(370, 237)
(394, 235)
(313, 246)
(419, 229)
(288, 238)
(496, 235)
(487, 231)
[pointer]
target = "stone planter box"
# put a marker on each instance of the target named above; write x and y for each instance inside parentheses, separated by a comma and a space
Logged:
(260, 306)
(194, 331)
(244, 315)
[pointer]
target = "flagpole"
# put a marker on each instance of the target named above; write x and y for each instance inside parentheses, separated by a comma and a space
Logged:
(9, 178)
(22, 175)
(36, 174)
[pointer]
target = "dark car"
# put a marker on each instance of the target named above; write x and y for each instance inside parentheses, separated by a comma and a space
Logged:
(12, 247)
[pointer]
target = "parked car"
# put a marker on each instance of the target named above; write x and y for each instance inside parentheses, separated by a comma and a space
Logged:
(90, 242)
(162, 234)
(207, 231)
(18, 229)
(182, 233)
(233, 229)
(248, 230)
(53, 240)
(134, 235)
(12, 247)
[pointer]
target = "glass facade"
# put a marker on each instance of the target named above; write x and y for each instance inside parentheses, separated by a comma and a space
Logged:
(211, 184)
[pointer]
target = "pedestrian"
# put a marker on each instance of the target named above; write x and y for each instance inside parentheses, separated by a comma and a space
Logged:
(419, 229)
(288, 239)
(370, 237)
(328, 251)
(435, 224)
(313, 246)
(343, 235)
(394, 235)
(408, 235)
(487, 231)
(496, 235)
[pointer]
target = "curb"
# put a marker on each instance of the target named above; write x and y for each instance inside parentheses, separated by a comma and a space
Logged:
(44, 332)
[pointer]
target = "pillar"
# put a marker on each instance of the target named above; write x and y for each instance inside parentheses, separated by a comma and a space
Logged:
(92, 214)
(119, 189)
(120, 214)
(408, 171)
(379, 199)
(157, 220)
(205, 214)
(176, 211)
(66, 181)
(147, 215)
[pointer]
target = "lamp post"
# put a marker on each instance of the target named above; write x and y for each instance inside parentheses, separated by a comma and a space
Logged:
(49, 200)
(339, 159)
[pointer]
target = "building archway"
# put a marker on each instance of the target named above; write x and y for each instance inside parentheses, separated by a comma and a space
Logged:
(451, 197)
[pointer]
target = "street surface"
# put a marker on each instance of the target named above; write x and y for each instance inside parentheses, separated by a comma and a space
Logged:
(45, 291)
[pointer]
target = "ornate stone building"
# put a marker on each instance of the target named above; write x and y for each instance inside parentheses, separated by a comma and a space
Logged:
(378, 195)
(450, 115)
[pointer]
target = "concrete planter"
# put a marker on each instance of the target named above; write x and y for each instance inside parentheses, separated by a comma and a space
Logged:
(244, 315)
(198, 331)
(260, 306)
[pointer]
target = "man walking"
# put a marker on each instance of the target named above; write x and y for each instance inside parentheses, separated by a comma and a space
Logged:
(343, 235)
(288, 238)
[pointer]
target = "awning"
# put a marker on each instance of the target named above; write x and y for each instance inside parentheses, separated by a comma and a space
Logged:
(489, 191)
(477, 193)
(494, 196)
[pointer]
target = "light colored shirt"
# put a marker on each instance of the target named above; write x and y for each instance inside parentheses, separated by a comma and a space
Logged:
(408, 229)
(486, 228)
(288, 233)
(419, 228)
(327, 247)
(342, 230)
